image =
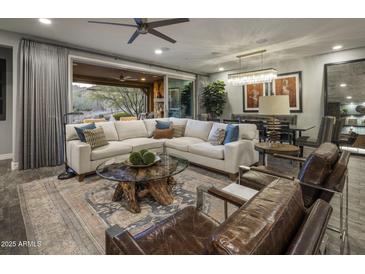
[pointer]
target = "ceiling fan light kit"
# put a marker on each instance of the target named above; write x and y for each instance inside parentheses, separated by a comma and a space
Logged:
(144, 27)
(254, 76)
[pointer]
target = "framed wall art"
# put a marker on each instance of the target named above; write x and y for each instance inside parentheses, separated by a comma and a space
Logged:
(251, 94)
(289, 84)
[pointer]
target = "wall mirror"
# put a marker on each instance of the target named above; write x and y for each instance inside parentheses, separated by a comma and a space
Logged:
(345, 99)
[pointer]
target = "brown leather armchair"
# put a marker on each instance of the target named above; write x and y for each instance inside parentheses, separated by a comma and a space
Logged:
(323, 174)
(274, 221)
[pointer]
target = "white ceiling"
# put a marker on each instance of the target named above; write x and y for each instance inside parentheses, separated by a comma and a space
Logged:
(203, 45)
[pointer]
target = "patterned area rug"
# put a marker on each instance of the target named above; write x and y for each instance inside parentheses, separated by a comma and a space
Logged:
(69, 217)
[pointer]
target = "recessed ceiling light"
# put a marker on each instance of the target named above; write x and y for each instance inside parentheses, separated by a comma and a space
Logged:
(45, 21)
(158, 51)
(348, 97)
(342, 85)
(221, 69)
(143, 79)
(337, 47)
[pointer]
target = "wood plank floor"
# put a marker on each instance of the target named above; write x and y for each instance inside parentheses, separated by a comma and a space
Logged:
(12, 226)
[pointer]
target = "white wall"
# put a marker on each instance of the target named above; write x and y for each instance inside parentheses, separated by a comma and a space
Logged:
(312, 82)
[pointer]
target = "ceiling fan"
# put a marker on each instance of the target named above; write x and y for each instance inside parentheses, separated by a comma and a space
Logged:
(143, 27)
(124, 78)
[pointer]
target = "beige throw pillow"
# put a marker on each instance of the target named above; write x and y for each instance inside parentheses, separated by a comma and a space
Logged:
(179, 130)
(95, 137)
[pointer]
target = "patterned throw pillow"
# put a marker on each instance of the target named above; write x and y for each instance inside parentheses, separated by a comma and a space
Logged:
(80, 131)
(217, 137)
(179, 130)
(95, 137)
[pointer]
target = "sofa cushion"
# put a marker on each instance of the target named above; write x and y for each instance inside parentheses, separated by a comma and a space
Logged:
(131, 129)
(198, 129)
(143, 143)
(247, 131)
(208, 150)
(109, 130)
(178, 121)
(150, 125)
(182, 143)
(114, 148)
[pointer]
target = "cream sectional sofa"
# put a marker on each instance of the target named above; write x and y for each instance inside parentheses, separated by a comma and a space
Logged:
(125, 137)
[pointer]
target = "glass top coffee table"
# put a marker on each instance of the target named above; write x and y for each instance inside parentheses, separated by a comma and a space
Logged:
(135, 183)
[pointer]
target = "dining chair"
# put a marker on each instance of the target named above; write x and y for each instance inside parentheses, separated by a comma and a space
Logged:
(324, 134)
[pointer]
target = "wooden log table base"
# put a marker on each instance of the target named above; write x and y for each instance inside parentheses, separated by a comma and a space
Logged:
(160, 190)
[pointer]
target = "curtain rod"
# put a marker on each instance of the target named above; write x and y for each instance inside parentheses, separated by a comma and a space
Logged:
(102, 53)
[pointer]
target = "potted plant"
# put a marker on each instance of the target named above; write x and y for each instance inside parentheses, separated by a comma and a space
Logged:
(214, 98)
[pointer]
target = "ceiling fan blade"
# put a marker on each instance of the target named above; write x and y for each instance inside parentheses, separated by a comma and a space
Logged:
(162, 23)
(116, 24)
(133, 37)
(161, 35)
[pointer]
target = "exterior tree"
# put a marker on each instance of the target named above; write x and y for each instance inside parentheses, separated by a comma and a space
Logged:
(129, 100)
(214, 98)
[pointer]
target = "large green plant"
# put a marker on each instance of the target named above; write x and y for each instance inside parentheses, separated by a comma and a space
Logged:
(214, 98)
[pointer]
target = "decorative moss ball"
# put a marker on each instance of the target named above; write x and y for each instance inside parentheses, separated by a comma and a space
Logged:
(136, 158)
(143, 151)
(148, 158)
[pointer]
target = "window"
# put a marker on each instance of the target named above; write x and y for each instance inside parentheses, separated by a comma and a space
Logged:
(109, 102)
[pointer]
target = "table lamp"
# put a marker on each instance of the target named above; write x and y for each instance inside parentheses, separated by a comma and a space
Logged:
(273, 106)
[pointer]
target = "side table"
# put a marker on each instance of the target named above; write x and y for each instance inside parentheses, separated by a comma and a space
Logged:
(275, 148)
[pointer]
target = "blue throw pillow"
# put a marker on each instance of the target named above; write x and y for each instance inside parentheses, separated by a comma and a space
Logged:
(232, 132)
(162, 124)
(80, 131)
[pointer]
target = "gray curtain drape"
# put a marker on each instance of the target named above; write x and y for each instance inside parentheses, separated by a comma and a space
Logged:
(42, 102)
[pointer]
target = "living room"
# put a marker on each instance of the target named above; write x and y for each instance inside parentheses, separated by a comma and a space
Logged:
(182, 136)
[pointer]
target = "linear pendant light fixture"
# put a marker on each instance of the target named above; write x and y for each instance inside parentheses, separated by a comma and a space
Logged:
(255, 76)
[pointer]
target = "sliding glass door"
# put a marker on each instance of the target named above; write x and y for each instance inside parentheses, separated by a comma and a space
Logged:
(180, 98)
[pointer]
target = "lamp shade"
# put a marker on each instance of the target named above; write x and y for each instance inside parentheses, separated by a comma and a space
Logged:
(274, 105)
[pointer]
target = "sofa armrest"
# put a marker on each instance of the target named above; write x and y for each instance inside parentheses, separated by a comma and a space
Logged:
(79, 156)
(238, 153)
(121, 242)
(309, 237)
